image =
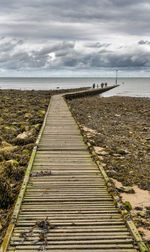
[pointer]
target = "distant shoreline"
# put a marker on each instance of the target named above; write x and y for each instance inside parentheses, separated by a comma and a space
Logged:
(134, 87)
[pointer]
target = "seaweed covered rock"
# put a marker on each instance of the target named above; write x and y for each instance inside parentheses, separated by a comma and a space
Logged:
(120, 127)
(16, 119)
(12, 169)
(6, 196)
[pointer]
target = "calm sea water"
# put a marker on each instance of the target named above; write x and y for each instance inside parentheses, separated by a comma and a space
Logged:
(137, 87)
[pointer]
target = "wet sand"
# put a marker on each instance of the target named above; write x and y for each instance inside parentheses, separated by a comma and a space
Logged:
(119, 130)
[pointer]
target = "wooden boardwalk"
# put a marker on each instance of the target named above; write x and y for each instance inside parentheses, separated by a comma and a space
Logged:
(67, 187)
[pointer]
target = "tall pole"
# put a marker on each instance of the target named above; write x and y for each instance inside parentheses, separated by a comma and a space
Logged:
(116, 76)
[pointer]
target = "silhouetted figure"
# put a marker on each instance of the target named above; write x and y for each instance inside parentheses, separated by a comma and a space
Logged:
(102, 85)
(105, 84)
(93, 85)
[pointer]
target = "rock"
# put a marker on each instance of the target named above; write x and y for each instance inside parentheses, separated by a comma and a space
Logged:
(12, 162)
(122, 157)
(91, 142)
(130, 132)
(98, 149)
(139, 208)
(1, 226)
(127, 206)
(101, 158)
(9, 128)
(1, 140)
(37, 126)
(145, 128)
(25, 134)
(27, 128)
(148, 148)
(27, 115)
(111, 173)
(5, 147)
(147, 139)
(141, 214)
(116, 155)
(25, 151)
(126, 189)
(6, 128)
(6, 198)
(14, 123)
(131, 172)
(103, 153)
(103, 164)
(91, 132)
(123, 151)
(41, 112)
(5, 144)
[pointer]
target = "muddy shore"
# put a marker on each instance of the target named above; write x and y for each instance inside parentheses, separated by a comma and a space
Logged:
(119, 130)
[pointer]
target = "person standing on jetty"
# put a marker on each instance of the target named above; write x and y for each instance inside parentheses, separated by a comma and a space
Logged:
(102, 85)
(93, 85)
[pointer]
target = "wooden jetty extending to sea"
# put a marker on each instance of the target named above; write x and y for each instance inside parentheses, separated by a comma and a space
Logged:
(64, 204)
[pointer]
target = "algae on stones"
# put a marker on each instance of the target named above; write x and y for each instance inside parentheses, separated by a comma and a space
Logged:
(19, 127)
(119, 130)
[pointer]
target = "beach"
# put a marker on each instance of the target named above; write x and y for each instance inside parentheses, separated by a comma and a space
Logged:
(119, 130)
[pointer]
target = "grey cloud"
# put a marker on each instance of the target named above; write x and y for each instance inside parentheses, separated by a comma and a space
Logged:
(97, 45)
(60, 50)
(38, 18)
(54, 26)
(66, 55)
(19, 59)
(9, 44)
(52, 31)
(143, 42)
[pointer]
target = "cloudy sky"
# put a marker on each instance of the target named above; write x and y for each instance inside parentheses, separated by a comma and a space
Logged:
(74, 37)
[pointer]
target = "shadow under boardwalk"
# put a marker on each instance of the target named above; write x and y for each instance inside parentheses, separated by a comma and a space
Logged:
(67, 187)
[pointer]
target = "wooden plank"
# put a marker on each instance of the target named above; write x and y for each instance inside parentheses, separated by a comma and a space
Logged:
(72, 250)
(78, 246)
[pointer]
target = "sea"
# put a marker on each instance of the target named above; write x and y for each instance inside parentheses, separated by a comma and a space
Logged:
(134, 87)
